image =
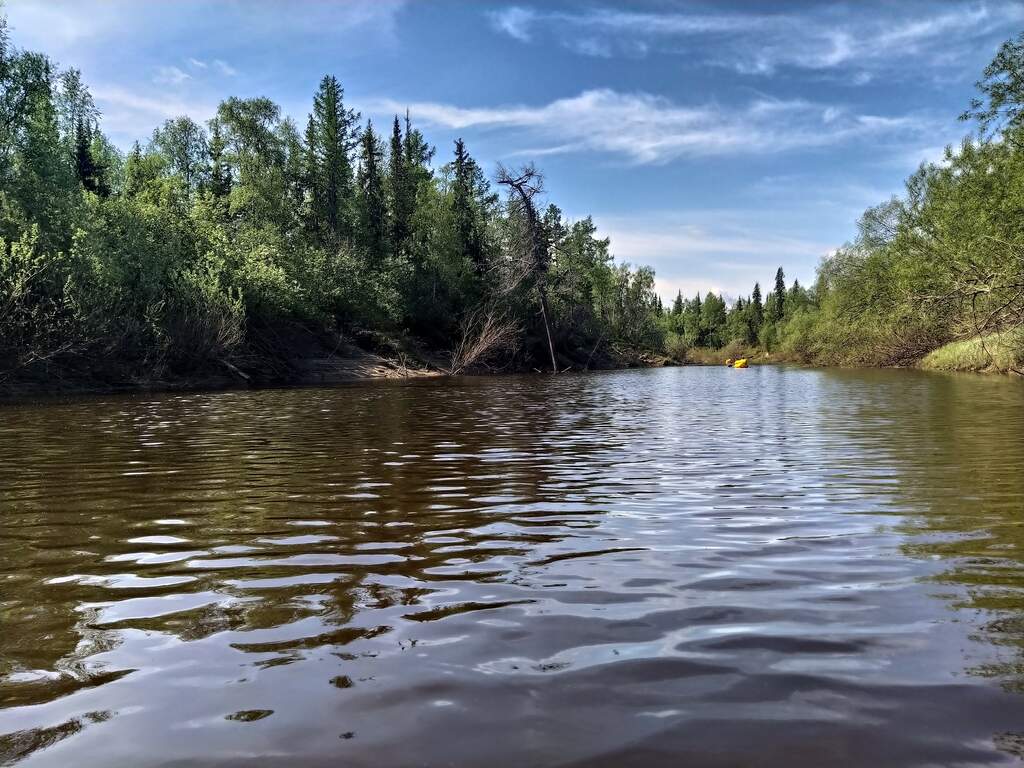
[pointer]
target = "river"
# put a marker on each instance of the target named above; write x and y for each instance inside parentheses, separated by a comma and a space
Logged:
(690, 566)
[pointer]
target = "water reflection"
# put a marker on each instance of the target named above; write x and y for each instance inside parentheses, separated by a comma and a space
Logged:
(774, 566)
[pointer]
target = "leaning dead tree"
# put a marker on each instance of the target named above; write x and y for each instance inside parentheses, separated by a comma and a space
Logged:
(524, 185)
(484, 332)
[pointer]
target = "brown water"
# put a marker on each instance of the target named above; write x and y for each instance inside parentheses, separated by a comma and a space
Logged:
(699, 567)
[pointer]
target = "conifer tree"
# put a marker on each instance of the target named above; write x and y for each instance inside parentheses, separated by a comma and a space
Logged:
(220, 172)
(402, 193)
(85, 166)
(677, 305)
(371, 202)
(757, 308)
(331, 135)
(464, 208)
(779, 293)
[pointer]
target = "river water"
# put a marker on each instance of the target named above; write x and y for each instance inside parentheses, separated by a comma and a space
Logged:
(694, 566)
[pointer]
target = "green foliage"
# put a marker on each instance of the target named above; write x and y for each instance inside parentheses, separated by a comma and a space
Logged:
(180, 253)
(1000, 352)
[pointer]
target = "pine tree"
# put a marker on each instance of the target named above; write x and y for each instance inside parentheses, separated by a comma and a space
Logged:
(85, 166)
(677, 305)
(402, 193)
(464, 208)
(757, 308)
(220, 172)
(331, 135)
(780, 295)
(371, 202)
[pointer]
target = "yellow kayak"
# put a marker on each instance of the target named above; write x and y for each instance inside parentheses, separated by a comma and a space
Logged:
(741, 363)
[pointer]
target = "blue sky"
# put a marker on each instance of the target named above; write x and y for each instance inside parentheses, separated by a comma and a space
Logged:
(711, 140)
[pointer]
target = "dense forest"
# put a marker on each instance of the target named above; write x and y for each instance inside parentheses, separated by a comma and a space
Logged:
(247, 242)
(246, 239)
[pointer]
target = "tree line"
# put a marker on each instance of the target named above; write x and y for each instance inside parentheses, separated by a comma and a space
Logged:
(225, 241)
(940, 267)
(750, 323)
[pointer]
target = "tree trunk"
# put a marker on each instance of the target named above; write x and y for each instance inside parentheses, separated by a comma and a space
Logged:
(547, 328)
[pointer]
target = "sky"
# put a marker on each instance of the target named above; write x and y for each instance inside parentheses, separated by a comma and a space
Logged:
(713, 141)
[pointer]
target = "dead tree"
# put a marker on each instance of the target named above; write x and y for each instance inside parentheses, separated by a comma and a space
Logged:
(525, 185)
(485, 331)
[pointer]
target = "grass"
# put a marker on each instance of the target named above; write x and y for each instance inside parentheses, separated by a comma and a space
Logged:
(997, 352)
(705, 356)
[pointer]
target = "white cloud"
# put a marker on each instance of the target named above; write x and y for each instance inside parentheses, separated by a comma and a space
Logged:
(170, 76)
(224, 68)
(128, 115)
(79, 31)
(824, 38)
(515, 22)
(651, 129)
(720, 251)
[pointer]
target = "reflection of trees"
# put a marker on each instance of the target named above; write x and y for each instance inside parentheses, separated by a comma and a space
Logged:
(957, 450)
(410, 487)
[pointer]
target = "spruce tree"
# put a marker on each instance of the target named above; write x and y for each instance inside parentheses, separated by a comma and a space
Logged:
(402, 193)
(779, 308)
(677, 305)
(85, 166)
(371, 201)
(464, 208)
(331, 135)
(220, 172)
(757, 308)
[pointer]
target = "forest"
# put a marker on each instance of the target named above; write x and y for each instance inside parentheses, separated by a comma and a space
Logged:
(247, 241)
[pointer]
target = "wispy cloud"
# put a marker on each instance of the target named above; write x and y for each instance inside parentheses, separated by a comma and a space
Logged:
(515, 22)
(825, 38)
(224, 68)
(170, 76)
(647, 129)
(128, 115)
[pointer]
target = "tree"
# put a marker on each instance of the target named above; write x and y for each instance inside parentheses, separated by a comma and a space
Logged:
(713, 320)
(402, 192)
(757, 308)
(331, 135)
(677, 304)
(464, 207)
(184, 143)
(778, 306)
(1000, 109)
(372, 206)
(43, 182)
(89, 171)
(74, 105)
(219, 176)
(256, 148)
(524, 186)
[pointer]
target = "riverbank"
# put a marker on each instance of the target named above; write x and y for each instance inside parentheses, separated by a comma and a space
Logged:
(285, 355)
(302, 358)
(994, 353)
